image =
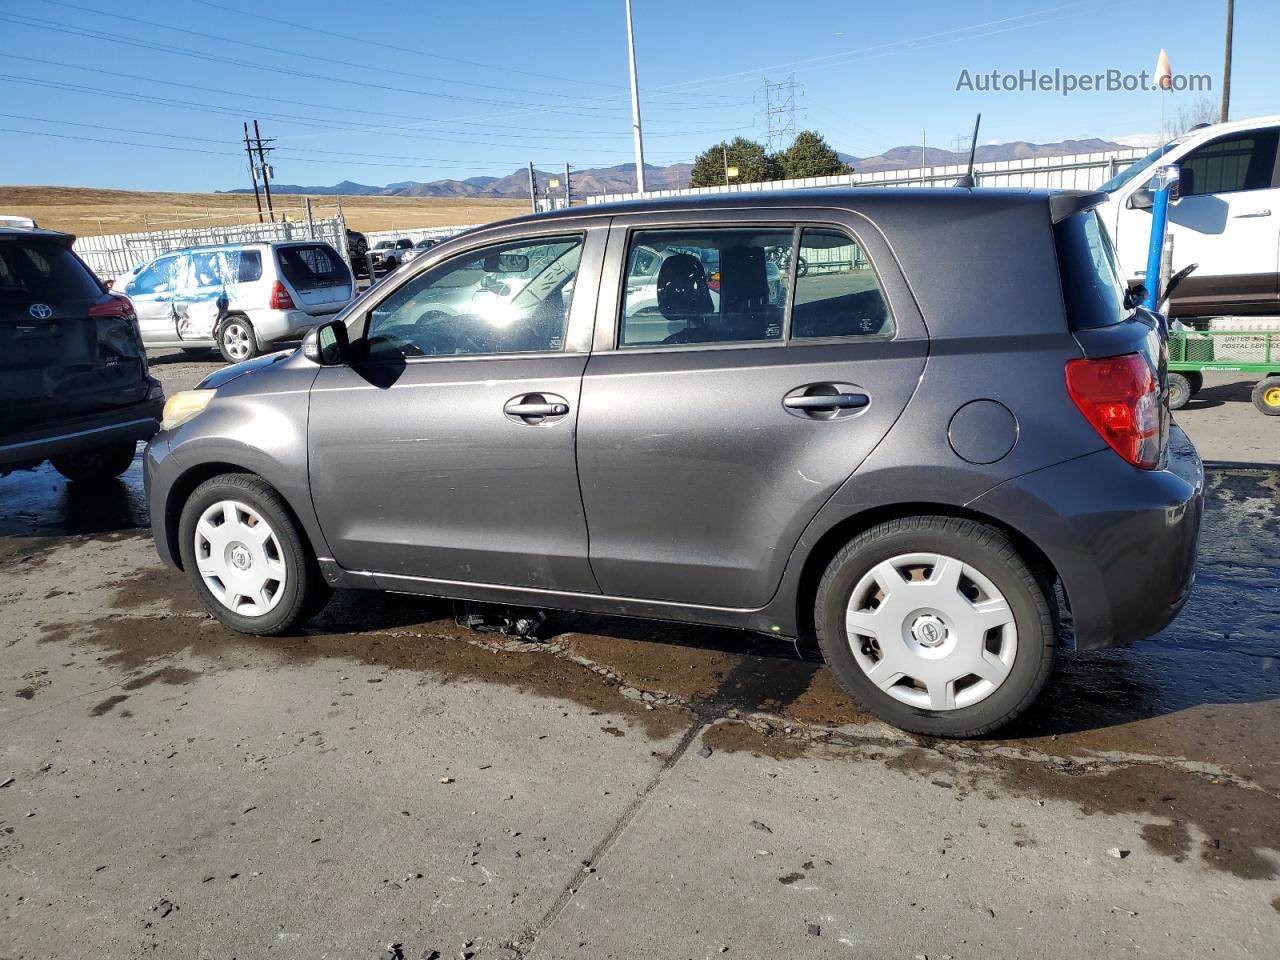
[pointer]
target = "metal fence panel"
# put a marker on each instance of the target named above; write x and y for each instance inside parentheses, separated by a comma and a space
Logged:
(1082, 171)
(110, 255)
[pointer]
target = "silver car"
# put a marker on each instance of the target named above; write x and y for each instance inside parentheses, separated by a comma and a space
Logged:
(239, 298)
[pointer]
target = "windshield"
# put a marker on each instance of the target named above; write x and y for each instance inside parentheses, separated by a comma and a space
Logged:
(1135, 168)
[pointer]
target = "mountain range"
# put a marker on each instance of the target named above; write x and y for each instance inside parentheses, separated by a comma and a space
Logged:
(621, 178)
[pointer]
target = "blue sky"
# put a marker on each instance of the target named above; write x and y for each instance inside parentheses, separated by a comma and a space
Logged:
(425, 90)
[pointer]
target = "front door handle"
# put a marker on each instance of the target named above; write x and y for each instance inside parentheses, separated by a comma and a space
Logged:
(536, 409)
(1256, 213)
(836, 401)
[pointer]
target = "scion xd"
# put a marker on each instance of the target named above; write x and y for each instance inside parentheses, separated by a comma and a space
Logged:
(906, 450)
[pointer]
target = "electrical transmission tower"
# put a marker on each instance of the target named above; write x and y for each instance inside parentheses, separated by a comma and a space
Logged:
(780, 113)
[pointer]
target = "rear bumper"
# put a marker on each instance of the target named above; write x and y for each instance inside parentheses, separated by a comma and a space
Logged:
(139, 421)
(1123, 540)
(275, 325)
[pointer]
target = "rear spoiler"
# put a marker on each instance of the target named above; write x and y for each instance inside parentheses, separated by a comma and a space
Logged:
(1067, 203)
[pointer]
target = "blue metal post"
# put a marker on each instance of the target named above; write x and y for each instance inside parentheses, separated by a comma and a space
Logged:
(1162, 183)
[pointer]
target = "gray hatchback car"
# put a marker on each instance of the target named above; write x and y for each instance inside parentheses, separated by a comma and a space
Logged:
(905, 449)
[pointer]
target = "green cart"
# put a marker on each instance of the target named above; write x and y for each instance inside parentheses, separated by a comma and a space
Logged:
(1192, 352)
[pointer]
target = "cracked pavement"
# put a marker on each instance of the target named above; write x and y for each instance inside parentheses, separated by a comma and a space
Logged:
(623, 789)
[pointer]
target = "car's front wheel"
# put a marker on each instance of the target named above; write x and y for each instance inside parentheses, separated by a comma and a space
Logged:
(936, 625)
(236, 340)
(96, 465)
(250, 563)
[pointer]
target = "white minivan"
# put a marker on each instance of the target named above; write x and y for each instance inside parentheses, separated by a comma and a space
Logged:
(1225, 218)
(240, 298)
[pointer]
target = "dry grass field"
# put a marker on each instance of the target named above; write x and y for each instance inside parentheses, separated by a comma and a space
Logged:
(86, 212)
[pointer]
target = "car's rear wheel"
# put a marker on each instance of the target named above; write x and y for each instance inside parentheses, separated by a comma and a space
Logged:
(247, 558)
(936, 625)
(97, 464)
(236, 340)
(1266, 395)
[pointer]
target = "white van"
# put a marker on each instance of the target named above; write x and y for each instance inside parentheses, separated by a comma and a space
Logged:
(1226, 218)
(240, 298)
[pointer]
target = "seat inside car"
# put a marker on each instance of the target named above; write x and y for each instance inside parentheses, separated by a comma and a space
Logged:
(744, 296)
(684, 297)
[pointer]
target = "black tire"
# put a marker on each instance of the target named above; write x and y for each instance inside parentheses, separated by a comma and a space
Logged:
(1266, 395)
(98, 464)
(1196, 379)
(237, 341)
(305, 590)
(1179, 390)
(802, 266)
(990, 552)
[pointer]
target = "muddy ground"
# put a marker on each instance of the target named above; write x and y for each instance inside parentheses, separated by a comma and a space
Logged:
(624, 789)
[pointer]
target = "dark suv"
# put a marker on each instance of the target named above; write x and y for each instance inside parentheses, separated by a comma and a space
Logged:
(74, 387)
(905, 450)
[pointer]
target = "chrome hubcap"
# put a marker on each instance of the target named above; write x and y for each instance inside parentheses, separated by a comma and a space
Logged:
(239, 558)
(931, 632)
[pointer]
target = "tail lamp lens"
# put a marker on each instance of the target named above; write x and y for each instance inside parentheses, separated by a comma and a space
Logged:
(1120, 398)
(280, 299)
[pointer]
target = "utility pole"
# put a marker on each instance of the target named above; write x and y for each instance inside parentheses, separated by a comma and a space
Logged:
(568, 193)
(253, 170)
(1226, 67)
(266, 170)
(533, 188)
(635, 104)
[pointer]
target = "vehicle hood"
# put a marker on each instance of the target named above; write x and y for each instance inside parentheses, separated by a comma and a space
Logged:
(224, 376)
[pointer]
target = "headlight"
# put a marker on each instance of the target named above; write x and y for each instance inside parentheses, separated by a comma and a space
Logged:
(184, 405)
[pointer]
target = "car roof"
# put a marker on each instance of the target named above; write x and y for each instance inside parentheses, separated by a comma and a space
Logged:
(845, 198)
(11, 230)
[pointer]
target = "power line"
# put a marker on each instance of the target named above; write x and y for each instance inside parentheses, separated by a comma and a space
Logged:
(230, 111)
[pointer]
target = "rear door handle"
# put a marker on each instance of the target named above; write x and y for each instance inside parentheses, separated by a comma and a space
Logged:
(1256, 213)
(837, 401)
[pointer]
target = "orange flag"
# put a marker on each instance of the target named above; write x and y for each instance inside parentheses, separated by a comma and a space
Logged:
(1164, 76)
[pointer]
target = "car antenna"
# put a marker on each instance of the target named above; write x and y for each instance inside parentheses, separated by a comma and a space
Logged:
(968, 179)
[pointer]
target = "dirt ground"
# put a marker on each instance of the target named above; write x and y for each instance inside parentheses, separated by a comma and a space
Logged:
(87, 212)
(385, 784)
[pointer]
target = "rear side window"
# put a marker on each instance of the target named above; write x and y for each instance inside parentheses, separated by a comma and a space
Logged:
(1093, 287)
(837, 291)
(42, 270)
(250, 268)
(708, 285)
(310, 266)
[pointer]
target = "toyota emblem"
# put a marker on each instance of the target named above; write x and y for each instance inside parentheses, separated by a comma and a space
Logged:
(41, 311)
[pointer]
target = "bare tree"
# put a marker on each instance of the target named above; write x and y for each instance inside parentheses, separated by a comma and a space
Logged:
(1202, 111)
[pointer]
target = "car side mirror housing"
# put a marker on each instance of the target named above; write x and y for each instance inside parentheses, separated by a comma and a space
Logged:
(327, 344)
(1142, 199)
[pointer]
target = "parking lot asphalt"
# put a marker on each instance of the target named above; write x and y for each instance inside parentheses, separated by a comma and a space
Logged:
(622, 789)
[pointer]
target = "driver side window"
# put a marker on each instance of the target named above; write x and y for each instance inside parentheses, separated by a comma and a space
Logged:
(508, 298)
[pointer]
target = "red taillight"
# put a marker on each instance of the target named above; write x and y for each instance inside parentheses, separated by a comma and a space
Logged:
(117, 305)
(1120, 398)
(280, 299)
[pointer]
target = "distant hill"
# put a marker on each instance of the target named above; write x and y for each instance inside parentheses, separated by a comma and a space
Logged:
(621, 178)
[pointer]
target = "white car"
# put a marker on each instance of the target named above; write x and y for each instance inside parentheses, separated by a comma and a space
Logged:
(1226, 218)
(239, 298)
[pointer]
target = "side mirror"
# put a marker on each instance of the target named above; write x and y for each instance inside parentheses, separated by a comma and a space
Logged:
(327, 344)
(1142, 199)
